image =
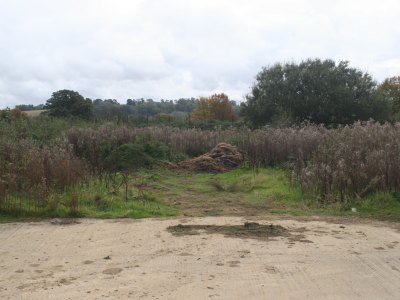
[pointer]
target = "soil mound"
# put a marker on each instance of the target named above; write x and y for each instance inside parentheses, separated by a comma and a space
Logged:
(222, 158)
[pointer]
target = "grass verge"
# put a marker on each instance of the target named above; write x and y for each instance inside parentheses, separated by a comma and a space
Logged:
(90, 200)
(164, 193)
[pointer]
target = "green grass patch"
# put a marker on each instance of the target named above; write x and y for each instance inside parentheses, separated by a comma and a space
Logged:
(266, 191)
(261, 184)
(382, 205)
(163, 193)
(241, 191)
(89, 200)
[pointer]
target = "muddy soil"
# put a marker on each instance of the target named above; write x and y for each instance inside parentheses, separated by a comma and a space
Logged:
(247, 230)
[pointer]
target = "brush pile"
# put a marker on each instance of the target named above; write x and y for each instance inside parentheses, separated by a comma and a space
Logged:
(222, 158)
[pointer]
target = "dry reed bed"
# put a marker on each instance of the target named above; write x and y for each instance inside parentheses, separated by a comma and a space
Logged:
(33, 172)
(354, 161)
(336, 165)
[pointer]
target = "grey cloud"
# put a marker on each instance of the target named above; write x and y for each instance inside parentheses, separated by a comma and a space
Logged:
(170, 49)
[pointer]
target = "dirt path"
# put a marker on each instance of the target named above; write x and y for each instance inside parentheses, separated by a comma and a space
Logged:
(119, 259)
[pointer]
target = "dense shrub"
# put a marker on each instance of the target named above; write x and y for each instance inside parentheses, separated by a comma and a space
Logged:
(132, 156)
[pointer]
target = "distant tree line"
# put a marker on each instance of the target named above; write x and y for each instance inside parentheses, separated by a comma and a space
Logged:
(189, 111)
(312, 91)
(143, 109)
(29, 107)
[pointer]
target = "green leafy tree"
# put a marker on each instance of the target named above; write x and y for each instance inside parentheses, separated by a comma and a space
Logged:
(67, 103)
(390, 90)
(128, 158)
(317, 91)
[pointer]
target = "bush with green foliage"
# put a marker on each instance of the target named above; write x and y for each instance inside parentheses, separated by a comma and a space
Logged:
(136, 155)
(389, 89)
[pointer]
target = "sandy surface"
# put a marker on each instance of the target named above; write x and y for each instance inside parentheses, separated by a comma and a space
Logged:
(144, 260)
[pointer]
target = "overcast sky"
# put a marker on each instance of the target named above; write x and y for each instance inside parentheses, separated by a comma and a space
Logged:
(170, 49)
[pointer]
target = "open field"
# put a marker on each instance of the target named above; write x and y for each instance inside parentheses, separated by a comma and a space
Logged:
(316, 258)
(34, 113)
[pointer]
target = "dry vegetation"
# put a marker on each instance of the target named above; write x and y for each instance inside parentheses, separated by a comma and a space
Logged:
(28, 171)
(335, 165)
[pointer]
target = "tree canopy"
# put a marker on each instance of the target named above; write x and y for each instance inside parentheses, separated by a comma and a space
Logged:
(317, 91)
(390, 90)
(215, 107)
(67, 103)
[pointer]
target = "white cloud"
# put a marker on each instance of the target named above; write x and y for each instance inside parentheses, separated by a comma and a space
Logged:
(170, 49)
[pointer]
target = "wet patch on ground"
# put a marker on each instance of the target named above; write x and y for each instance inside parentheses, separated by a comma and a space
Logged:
(66, 221)
(251, 230)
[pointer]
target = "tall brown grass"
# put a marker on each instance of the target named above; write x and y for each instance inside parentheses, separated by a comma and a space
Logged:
(33, 172)
(332, 164)
(354, 161)
(267, 147)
